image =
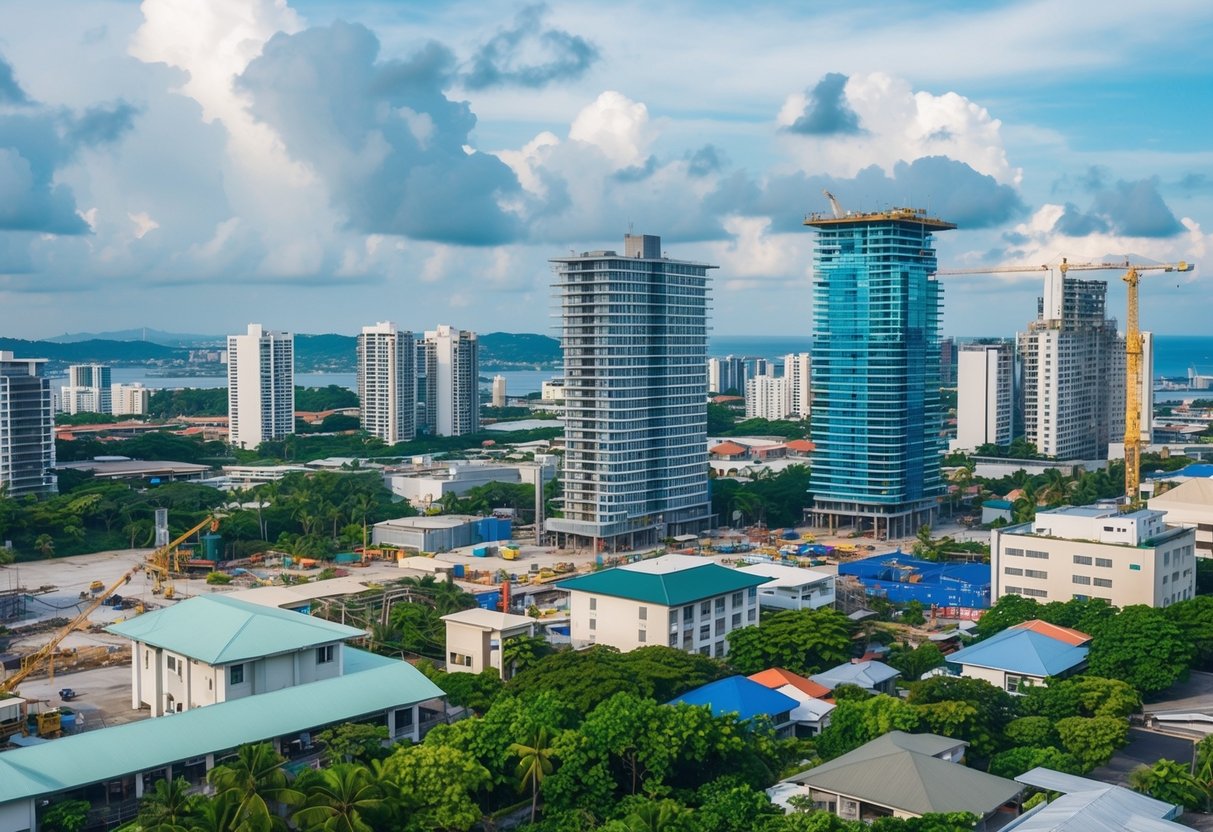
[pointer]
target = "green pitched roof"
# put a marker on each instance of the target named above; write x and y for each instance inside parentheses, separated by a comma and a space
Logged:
(898, 770)
(216, 629)
(370, 685)
(684, 586)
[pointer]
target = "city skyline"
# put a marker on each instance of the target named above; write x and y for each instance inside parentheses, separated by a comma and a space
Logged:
(165, 156)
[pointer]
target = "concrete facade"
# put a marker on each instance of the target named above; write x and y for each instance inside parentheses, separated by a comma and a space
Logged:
(796, 370)
(985, 409)
(474, 639)
(766, 397)
(130, 399)
(387, 391)
(27, 427)
(449, 381)
(1190, 506)
(88, 390)
(260, 386)
(1092, 552)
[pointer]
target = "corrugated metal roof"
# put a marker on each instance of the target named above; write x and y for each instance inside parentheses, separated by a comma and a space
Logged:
(217, 629)
(1092, 806)
(738, 695)
(867, 675)
(1022, 651)
(371, 684)
(670, 589)
(891, 771)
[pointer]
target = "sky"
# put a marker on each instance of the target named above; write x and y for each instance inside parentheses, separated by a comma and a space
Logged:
(319, 165)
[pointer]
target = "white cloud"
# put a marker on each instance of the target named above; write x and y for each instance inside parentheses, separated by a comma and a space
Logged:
(617, 126)
(143, 224)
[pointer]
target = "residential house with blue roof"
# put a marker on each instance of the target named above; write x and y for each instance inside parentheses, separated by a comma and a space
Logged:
(1024, 655)
(746, 699)
(682, 601)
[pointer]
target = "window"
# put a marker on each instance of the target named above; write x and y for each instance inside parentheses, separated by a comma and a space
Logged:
(673, 618)
(1166, 558)
(719, 626)
(753, 593)
(751, 615)
(641, 636)
(705, 609)
(737, 599)
(1082, 579)
(324, 654)
(1015, 553)
(720, 604)
(593, 603)
(1106, 563)
(1033, 553)
(1085, 560)
(1018, 684)
(718, 652)
(1012, 570)
(1106, 583)
(705, 632)
(644, 613)
(171, 662)
(1035, 593)
(688, 614)
(460, 660)
(593, 623)
(1014, 590)
(235, 674)
(737, 619)
(146, 658)
(1035, 573)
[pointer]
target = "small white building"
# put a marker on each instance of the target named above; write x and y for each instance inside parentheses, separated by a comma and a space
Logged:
(424, 488)
(1094, 552)
(682, 601)
(475, 638)
(211, 649)
(1189, 505)
(793, 587)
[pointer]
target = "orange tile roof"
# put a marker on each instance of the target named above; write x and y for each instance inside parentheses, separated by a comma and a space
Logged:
(1065, 634)
(727, 449)
(801, 445)
(776, 677)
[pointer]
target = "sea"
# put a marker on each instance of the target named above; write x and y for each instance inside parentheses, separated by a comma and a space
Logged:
(1173, 355)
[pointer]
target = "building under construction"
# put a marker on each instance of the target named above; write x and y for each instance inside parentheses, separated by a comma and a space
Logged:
(900, 578)
(13, 604)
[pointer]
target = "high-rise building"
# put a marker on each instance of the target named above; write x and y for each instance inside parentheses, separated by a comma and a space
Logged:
(87, 390)
(499, 393)
(1073, 372)
(449, 381)
(758, 367)
(727, 374)
(766, 397)
(985, 396)
(877, 417)
(27, 427)
(130, 399)
(796, 369)
(948, 358)
(634, 335)
(260, 386)
(386, 388)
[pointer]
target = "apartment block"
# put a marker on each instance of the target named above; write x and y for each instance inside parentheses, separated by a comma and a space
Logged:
(796, 370)
(1095, 552)
(260, 386)
(448, 381)
(499, 391)
(87, 390)
(766, 397)
(634, 335)
(130, 399)
(728, 373)
(27, 427)
(985, 403)
(386, 387)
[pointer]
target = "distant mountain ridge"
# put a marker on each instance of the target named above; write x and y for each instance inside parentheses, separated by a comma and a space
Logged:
(155, 336)
(94, 351)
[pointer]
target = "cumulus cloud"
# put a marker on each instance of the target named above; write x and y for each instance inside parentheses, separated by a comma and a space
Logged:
(387, 143)
(825, 110)
(1130, 209)
(10, 90)
(528, 55)
(898, 125)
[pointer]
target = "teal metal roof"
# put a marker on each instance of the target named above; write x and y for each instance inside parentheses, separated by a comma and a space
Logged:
(371, 684)
(684, 586)
(216, 629)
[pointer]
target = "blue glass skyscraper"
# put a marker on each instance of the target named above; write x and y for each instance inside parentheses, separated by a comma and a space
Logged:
(877, 417)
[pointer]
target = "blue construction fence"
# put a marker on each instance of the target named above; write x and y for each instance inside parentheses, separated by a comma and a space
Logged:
(901, 578)
(492, 529)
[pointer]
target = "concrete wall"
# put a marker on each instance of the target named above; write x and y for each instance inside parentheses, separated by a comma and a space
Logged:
(617, 622)
(465, 641)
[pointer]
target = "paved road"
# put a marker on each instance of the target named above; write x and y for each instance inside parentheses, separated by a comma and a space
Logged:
(1144, 748)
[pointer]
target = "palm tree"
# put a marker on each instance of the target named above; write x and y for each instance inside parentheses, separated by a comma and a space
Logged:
(45, 544)
(1170, 782)
(262, 787)
(520, 652)
(169, 805)
(338, 799)
(534, 764)
(218, 814)
(655, 816)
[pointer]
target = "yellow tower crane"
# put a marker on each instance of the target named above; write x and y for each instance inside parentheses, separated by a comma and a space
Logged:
(162, 563)
(1133, 347)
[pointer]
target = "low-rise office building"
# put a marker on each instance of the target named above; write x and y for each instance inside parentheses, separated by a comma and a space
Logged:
(475, 639)
(1189, 505)
(682, 601)
(440, 533)
(1094, 552)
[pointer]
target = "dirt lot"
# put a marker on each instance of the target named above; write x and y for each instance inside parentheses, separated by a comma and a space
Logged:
(103, 696)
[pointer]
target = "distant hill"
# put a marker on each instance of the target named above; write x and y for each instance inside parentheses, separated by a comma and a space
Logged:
(155, 336)
(96, 350)
(319, 353)
(503, 348)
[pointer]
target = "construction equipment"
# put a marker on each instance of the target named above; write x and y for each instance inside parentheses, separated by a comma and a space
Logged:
(834, 205)
(162, 563)
(1133, 347)
(35, 660)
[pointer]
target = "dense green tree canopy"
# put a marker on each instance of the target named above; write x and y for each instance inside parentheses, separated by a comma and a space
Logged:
(802, 641)
(1141, 646)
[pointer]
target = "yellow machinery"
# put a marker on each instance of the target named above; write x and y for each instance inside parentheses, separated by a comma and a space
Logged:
(162, 563)
(35, 660)
(1133, 346)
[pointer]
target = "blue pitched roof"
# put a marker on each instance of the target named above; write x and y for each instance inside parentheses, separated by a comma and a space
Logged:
(1022, 651)
(738, 695)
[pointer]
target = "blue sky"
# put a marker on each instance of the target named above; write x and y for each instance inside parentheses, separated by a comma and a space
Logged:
(319, 165)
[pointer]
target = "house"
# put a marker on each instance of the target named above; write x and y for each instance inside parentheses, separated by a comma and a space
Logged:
(682, 601)
(1085, 804)
(994, 510)
(872, 676)
(800, 448)
(746, 699)
(729, 450)
(212, 648)
(474, 639)
(1024, 655)
(905, 775)
(812, 714)
(793, 587)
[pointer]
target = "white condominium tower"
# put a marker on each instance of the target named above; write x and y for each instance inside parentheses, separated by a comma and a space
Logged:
(260, 386)
(87, 390)
(27, 427)
(985, 396)
(130, 399)
(766, 397)
(449, 363)
(799, 389)
(386, 389)
(633, 331)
